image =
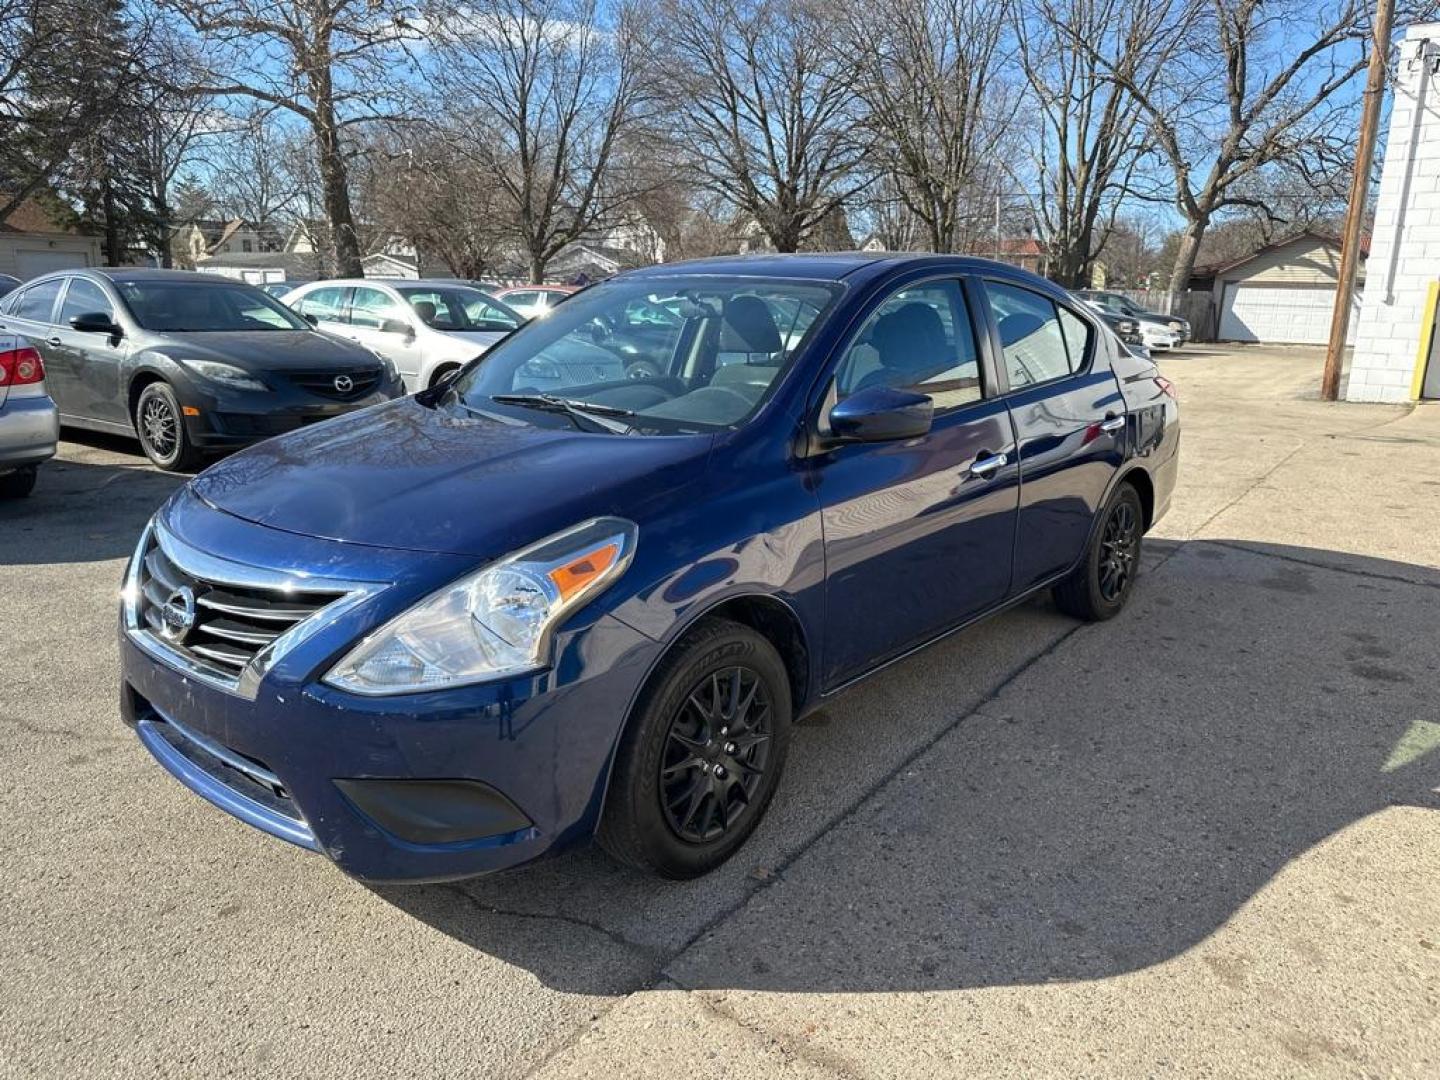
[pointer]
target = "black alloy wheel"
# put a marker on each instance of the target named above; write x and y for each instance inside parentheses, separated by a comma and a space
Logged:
(701, 754)
(715, 755)
(1119, 549)
(1099, 586)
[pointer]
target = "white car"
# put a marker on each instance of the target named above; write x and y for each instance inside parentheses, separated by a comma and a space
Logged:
(427, 329)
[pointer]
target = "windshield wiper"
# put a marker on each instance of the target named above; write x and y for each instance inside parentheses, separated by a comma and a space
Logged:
(602, 417)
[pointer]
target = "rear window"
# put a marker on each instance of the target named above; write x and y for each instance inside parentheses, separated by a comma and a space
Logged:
(38, 301)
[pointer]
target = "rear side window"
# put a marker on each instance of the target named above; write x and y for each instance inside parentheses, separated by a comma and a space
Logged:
(327, 304)
(84, 298)
(919, 339)
(38, 301)
(1077, 337)
(1031, 336)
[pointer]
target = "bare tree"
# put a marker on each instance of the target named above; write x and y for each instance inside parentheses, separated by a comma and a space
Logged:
(253, 161)
(543, 96)
(766, 108)
(328, 62)
(417, 185)
(1260, 88)
(938, 107)
(1089, 64)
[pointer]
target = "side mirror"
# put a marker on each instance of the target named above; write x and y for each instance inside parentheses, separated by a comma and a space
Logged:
(881, 414)
(311, 319)
(397, 326)
(94, 322)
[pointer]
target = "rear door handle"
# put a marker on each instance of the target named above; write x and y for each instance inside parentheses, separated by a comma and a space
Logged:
(985, 467)
(1112, 423)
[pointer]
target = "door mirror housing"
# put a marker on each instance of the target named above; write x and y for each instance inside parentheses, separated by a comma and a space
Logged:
(311, 319)
(95, 322)
(397, 326)
(881, 414)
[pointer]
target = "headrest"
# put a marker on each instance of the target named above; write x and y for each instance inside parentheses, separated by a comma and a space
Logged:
(747, 326)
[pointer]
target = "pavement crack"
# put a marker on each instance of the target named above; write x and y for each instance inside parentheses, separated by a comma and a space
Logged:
(659, 955)
(789, 1046)
(32, 728)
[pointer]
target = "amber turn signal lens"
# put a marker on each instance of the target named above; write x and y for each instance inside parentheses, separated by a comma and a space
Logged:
(583, 569)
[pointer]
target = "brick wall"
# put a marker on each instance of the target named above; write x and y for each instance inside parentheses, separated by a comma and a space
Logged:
(1405, 249)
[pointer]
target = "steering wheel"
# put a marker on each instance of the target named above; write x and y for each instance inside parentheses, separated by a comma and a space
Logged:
(643, 369)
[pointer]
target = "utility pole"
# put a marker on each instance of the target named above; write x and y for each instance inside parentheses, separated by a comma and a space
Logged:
(1355, 212)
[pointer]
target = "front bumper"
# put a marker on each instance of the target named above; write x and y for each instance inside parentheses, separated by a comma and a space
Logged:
(228, 418)
(29, 431)
(419, 787)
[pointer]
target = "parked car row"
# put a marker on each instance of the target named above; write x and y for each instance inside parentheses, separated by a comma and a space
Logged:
(193, 363)
(1156, 331)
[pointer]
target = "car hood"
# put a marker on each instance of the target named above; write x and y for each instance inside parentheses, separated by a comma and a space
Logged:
(265, 350)
(480, 337)
(1163, 321)
(403, 475)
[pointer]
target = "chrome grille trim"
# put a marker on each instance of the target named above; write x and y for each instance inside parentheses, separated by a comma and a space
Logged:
(235, 657)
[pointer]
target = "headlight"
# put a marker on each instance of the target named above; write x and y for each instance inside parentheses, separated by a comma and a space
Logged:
(1175, 326)
(225, 374)
(494, 623)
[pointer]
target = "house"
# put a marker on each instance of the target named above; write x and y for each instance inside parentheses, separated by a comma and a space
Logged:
(265, 267)
(35, 239)
(1023, 251)
(1283, 292)
(194, 241)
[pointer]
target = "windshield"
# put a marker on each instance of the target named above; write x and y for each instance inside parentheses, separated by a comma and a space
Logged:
(178, 306)
(670, 356)
(458, 308)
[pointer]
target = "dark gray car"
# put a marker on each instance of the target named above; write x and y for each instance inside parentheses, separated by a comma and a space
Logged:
(186, 362)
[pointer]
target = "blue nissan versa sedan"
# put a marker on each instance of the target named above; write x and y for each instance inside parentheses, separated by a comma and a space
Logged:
(449, 634)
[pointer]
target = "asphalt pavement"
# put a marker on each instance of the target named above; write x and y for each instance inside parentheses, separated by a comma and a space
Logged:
(1199, 840)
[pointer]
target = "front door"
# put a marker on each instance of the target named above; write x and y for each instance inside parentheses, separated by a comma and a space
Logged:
(916, 540)
(1069, 421)
(376, 318)
(94, 359)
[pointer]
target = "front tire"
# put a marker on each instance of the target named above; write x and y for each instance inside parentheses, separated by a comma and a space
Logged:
(160, 426)
(702, 755)
(1098, 588)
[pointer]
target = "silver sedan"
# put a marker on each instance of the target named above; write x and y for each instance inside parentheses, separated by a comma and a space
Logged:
(29, 424)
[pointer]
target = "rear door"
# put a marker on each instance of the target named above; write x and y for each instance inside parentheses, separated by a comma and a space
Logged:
(1069, 419)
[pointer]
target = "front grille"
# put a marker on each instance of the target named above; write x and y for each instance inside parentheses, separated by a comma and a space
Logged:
(217, 625)
(362, 381)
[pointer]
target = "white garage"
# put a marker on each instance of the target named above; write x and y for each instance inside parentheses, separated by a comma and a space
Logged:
(1283, 293)
(32, 242)
(1298, 314)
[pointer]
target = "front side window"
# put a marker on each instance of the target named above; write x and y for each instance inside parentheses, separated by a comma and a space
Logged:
(919, 339)
(1031, 338)
(172, 306)
(682, 355)
(38, 301)
(84, 298)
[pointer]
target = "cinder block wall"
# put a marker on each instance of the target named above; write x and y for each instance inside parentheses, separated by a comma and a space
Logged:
(1405, 247)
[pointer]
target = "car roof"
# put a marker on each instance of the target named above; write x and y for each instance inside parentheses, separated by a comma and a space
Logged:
(148, 273)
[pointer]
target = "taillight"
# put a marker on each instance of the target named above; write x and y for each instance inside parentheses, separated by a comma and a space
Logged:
(1167, 387)
(20, 367)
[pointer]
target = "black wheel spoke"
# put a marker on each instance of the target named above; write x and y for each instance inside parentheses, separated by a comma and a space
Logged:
(715, 754)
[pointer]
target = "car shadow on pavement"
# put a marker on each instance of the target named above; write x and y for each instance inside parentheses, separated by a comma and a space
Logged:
(83, 511)
(1112, 803)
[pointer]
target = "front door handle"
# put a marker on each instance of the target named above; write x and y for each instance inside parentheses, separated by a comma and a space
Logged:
(1112, 423)
(984, 468)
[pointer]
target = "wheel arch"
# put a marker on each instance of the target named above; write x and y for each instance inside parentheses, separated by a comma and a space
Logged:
(140, 378)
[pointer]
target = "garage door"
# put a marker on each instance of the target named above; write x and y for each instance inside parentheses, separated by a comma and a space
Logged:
(1298, 314)
(30, 264)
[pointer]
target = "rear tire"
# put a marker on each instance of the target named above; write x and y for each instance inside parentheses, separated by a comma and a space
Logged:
(702, 755)
(160, 426)
(1098, 588)
(18, 484)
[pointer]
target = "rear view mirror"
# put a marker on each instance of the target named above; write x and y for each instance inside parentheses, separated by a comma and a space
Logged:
(881, 414)
(94, 322)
